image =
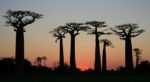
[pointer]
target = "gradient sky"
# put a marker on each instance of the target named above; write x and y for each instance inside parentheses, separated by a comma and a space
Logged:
(38, 41)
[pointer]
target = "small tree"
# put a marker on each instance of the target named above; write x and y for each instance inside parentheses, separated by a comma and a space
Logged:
(44, 58)
(138, 57)
(73, 29)
(94, 30)
(39, 60)
(59, 33)
(20, 19)
(106, 43)
(126, 32)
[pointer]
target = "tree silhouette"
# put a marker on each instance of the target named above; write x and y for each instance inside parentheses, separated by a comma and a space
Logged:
(73, 30)
(97, 33)
(106, 43)
(19, 19)
(126, 32)
(44, 58)
(59, 33)
(38, 60)
(144, 67)
(7, 65)
(138, 57)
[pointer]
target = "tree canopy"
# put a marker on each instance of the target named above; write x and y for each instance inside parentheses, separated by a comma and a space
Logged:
(74, 28)
(59, 32)
(96, 25)
(127, 30)
(19, 19)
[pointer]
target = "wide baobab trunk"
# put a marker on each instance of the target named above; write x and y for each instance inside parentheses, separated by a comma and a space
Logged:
(72, 53)
(97, 66)
(20, 51)
(61, 61)
(104, 68)
(128, 54)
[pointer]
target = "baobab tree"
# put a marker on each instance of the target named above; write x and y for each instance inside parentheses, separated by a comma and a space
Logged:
(59, 33)
(73, 30)
(18, 20)
(95, 30)
(138, 57)
(106, 43)
(126, 32)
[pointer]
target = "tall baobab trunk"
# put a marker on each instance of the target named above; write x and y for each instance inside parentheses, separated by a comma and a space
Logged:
(128, 54)
(20, 51)
(61, 61)
(72, 53)
(97, 66)
(104, 58)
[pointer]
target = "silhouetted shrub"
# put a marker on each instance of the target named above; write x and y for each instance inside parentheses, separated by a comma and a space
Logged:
(121, 69)
(63, 69)
(143, 67)
(7, 65)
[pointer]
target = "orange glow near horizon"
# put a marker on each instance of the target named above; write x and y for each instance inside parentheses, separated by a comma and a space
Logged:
(85, 49)
(85, 54)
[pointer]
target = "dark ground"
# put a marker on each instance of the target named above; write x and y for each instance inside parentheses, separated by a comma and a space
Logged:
(76, 78)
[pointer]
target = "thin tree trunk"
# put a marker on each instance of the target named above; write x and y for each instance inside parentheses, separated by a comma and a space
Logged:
(61, 61)
(128, 54)
(137, 60)
(104, 57)
(20, 51)
(97, 66)
(44, 63)
(72, 53)
(38, 63)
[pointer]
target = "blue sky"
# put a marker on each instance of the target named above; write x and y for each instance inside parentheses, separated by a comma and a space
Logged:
(80, 10)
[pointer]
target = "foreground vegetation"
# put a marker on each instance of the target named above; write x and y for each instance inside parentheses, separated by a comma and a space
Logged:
(85, 78)
(45, 74)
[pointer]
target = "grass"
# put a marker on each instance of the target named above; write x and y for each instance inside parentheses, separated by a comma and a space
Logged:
(67, 78)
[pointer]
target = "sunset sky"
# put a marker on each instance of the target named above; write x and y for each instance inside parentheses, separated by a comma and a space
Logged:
(39, 42)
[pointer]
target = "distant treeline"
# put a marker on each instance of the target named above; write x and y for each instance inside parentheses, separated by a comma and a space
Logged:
(8, 67)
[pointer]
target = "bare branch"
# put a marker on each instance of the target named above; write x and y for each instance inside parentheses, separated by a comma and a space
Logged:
(134, 34)
(121, 34)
